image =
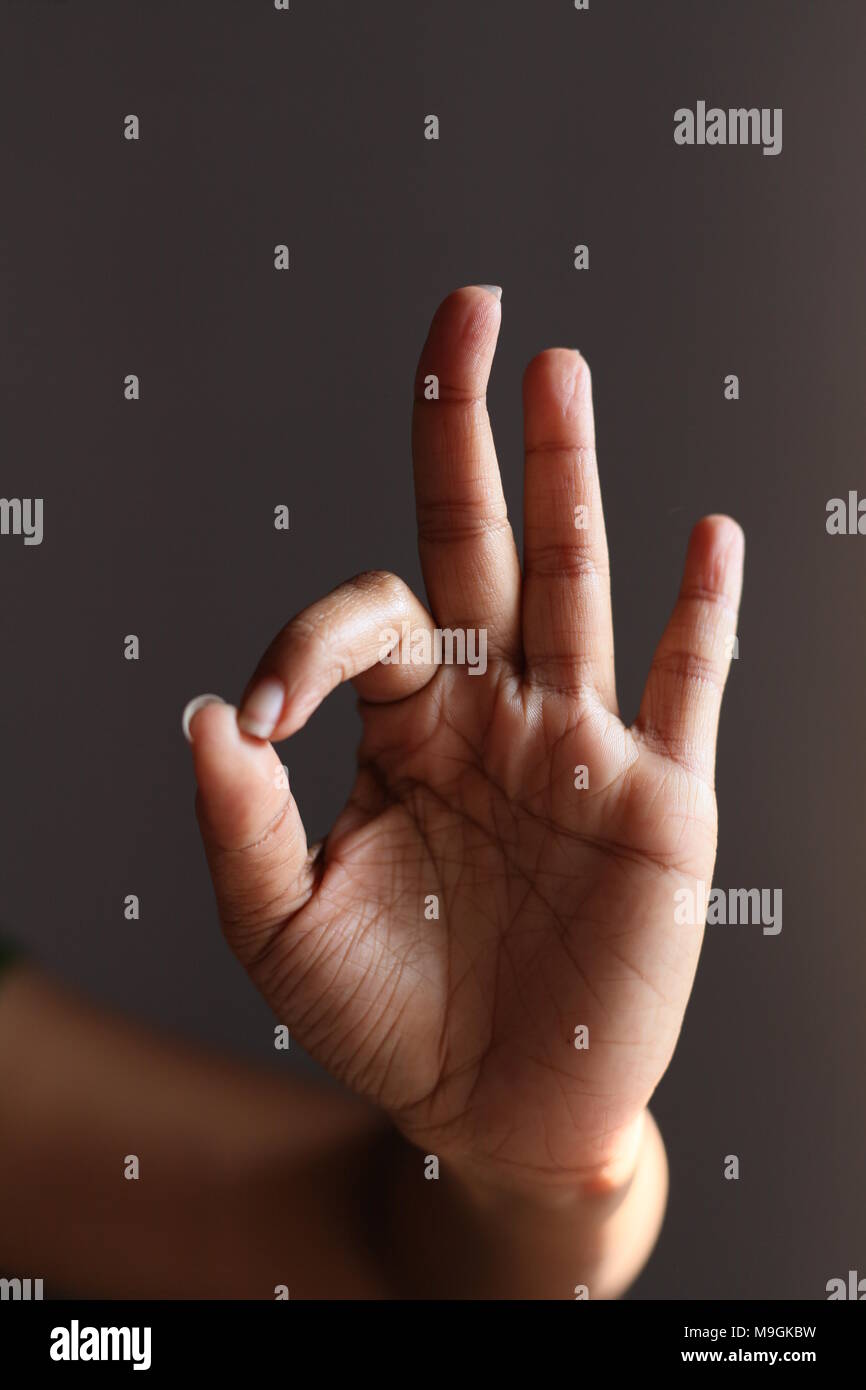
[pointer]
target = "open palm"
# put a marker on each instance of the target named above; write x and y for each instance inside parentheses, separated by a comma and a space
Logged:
(485, 945)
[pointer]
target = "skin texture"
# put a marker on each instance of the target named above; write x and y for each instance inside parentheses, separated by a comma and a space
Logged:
(556, 905)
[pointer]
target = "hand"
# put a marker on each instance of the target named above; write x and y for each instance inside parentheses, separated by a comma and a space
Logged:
(555, 900)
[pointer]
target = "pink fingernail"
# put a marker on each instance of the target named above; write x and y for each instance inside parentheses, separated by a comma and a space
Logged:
(262, 708)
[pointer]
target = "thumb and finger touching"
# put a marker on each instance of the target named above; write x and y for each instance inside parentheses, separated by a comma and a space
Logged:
(250, 823)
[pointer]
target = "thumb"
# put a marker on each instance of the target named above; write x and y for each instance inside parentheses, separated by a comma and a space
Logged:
(252, 831)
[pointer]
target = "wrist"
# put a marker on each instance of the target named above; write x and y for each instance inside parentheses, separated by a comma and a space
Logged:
(494, 1236)
(606, 1177)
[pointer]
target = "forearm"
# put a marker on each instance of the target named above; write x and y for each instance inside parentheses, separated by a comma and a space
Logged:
(244, 1177)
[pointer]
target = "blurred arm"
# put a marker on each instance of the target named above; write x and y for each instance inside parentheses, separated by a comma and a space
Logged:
(248, 1181)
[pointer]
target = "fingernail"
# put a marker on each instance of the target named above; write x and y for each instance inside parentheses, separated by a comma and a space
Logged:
(491, 289)
(262, 708)
(193, 708)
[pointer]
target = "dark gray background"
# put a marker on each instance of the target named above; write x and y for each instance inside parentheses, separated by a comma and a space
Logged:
(260, 387)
